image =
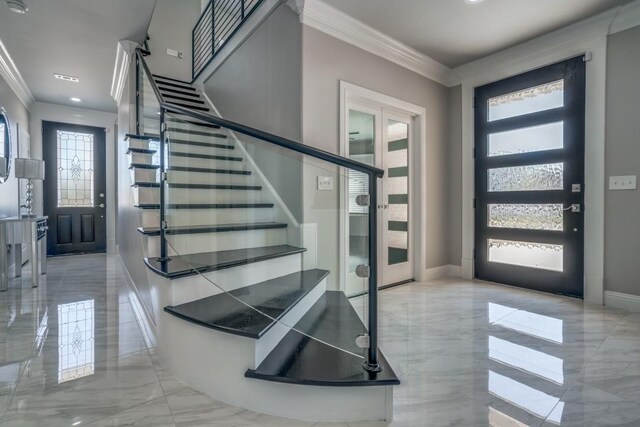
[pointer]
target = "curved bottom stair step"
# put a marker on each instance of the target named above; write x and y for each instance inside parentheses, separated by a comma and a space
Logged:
(250, 311)
(313, 353)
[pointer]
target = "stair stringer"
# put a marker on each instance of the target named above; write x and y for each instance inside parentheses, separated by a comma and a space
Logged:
(214, 362)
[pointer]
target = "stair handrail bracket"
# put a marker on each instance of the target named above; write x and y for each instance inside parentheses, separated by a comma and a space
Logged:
(371, 363)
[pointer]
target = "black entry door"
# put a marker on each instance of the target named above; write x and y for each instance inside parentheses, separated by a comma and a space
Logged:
(529, 136)
(75, 188)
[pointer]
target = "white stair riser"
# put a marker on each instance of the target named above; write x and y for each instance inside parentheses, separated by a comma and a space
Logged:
(143, 175)
(211, 150)
(184, 177)
(210, 242)
(145, 159)
(196, 162)
(138, 143)
(188, 195)
(211, 139)
(180, 217)
(204, 285)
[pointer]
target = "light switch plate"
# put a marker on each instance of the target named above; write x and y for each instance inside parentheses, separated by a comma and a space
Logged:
(627, 182)
(325, 183)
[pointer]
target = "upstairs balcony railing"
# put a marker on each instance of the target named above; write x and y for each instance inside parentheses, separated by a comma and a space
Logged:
(219, 21)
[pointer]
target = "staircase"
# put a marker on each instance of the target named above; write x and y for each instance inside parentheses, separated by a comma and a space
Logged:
(243, 306)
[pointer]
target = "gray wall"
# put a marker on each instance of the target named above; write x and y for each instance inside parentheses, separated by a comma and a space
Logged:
(18, 114)
(454, 175)
(260, 86)
(622, 157)
(326, 61)
(171, 27)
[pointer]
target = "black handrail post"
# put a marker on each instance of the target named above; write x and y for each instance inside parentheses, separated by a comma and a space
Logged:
(213, 30)
(163, 179)
(137, 95)
(242, 10)
(371, 364)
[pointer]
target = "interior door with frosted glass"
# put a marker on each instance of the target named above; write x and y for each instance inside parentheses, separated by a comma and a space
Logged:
(529, 132)
(396, 238)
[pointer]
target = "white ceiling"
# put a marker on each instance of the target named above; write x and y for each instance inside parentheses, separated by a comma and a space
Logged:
(454, 32)
(73, 37)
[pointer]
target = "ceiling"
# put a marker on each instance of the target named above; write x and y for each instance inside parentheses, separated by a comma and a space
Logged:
(454, 32)
(76, 38)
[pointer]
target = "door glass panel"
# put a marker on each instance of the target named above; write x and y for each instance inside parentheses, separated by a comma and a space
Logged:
(525, 216)
(75, 169)
(397, 182)
(362, 149)
(526, 178)
(526, 140)
(526, 254)
(531, 100)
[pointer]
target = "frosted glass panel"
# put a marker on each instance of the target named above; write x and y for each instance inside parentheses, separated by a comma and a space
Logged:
(75, 340)
(531, 100)
(75, 169)
(526, 178)
(397, 188)
(527, 140)
(525, 216)
(526, 254)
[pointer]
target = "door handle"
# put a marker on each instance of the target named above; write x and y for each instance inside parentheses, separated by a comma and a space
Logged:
(575, 208)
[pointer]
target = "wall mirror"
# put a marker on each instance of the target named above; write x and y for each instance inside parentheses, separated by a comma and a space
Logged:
(5, 146)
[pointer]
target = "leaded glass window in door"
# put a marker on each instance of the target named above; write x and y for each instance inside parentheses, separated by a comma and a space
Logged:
(75, 169)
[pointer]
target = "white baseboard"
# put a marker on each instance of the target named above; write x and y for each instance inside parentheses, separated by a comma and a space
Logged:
(441, 272)
(620, 300)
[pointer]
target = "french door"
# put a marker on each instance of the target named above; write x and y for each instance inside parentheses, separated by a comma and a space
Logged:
(74, 188)
(381, 137)
(529, 174)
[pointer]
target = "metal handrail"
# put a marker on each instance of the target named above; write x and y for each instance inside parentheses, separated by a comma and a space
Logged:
(371, 364)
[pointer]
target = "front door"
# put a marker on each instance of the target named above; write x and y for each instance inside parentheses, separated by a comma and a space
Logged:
(74, 188)
(529, 148)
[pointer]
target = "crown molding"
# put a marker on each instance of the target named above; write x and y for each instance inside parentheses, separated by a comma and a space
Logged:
(342, 26)
(124, 53)
(628, 16)
(9, 71)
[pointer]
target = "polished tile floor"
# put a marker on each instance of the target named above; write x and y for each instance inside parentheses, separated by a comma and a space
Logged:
(72, 353)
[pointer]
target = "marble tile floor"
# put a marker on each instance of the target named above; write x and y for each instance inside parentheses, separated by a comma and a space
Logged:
(468, 353)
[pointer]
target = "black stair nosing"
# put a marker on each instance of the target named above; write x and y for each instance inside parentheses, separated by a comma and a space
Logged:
(250, 303)
(217, 186)
(320, 350)
(134, 136)
(222, 228)
(140, 150)
(171, 79)
(146, 184)
(206, 206)
(175, 90)
(209, 170)
(195, 101)
(204, 156)
(182, 119)
(198, 133)
(143, 166)
(192, 107)
(202, 144)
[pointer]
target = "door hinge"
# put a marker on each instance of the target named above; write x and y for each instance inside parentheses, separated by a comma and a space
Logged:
(363, 200)
(163, 225)
(163, 127)
(474, 203)
(163, 176)
(474, 253)
(362, 271)
(474, 102)
(474, 152)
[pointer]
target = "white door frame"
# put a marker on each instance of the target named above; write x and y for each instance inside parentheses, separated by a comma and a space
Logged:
(353, 93)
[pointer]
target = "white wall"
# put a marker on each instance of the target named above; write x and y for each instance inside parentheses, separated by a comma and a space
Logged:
(78, 116)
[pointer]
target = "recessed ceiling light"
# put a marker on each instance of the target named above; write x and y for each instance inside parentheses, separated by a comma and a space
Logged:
(66, 78)
(17, 6)
(473, 1)
(76, 99)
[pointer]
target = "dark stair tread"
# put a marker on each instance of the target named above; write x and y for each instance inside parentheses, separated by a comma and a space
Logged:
(201, 144)
(181, 98)
(216, 186)
(146, 184)
(192, 264)
(143, 166)
(221, 228)
(192, 107)
(204, 156)
(177, 91)
(209, 170)
(300, 359)
(198, 133)
(252, 310)
(159, 78)
(207, 206)
(176, 118)
(134, 136)
(140, 150)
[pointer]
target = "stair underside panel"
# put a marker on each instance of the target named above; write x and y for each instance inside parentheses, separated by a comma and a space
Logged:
(250, 311)
(334, 326)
